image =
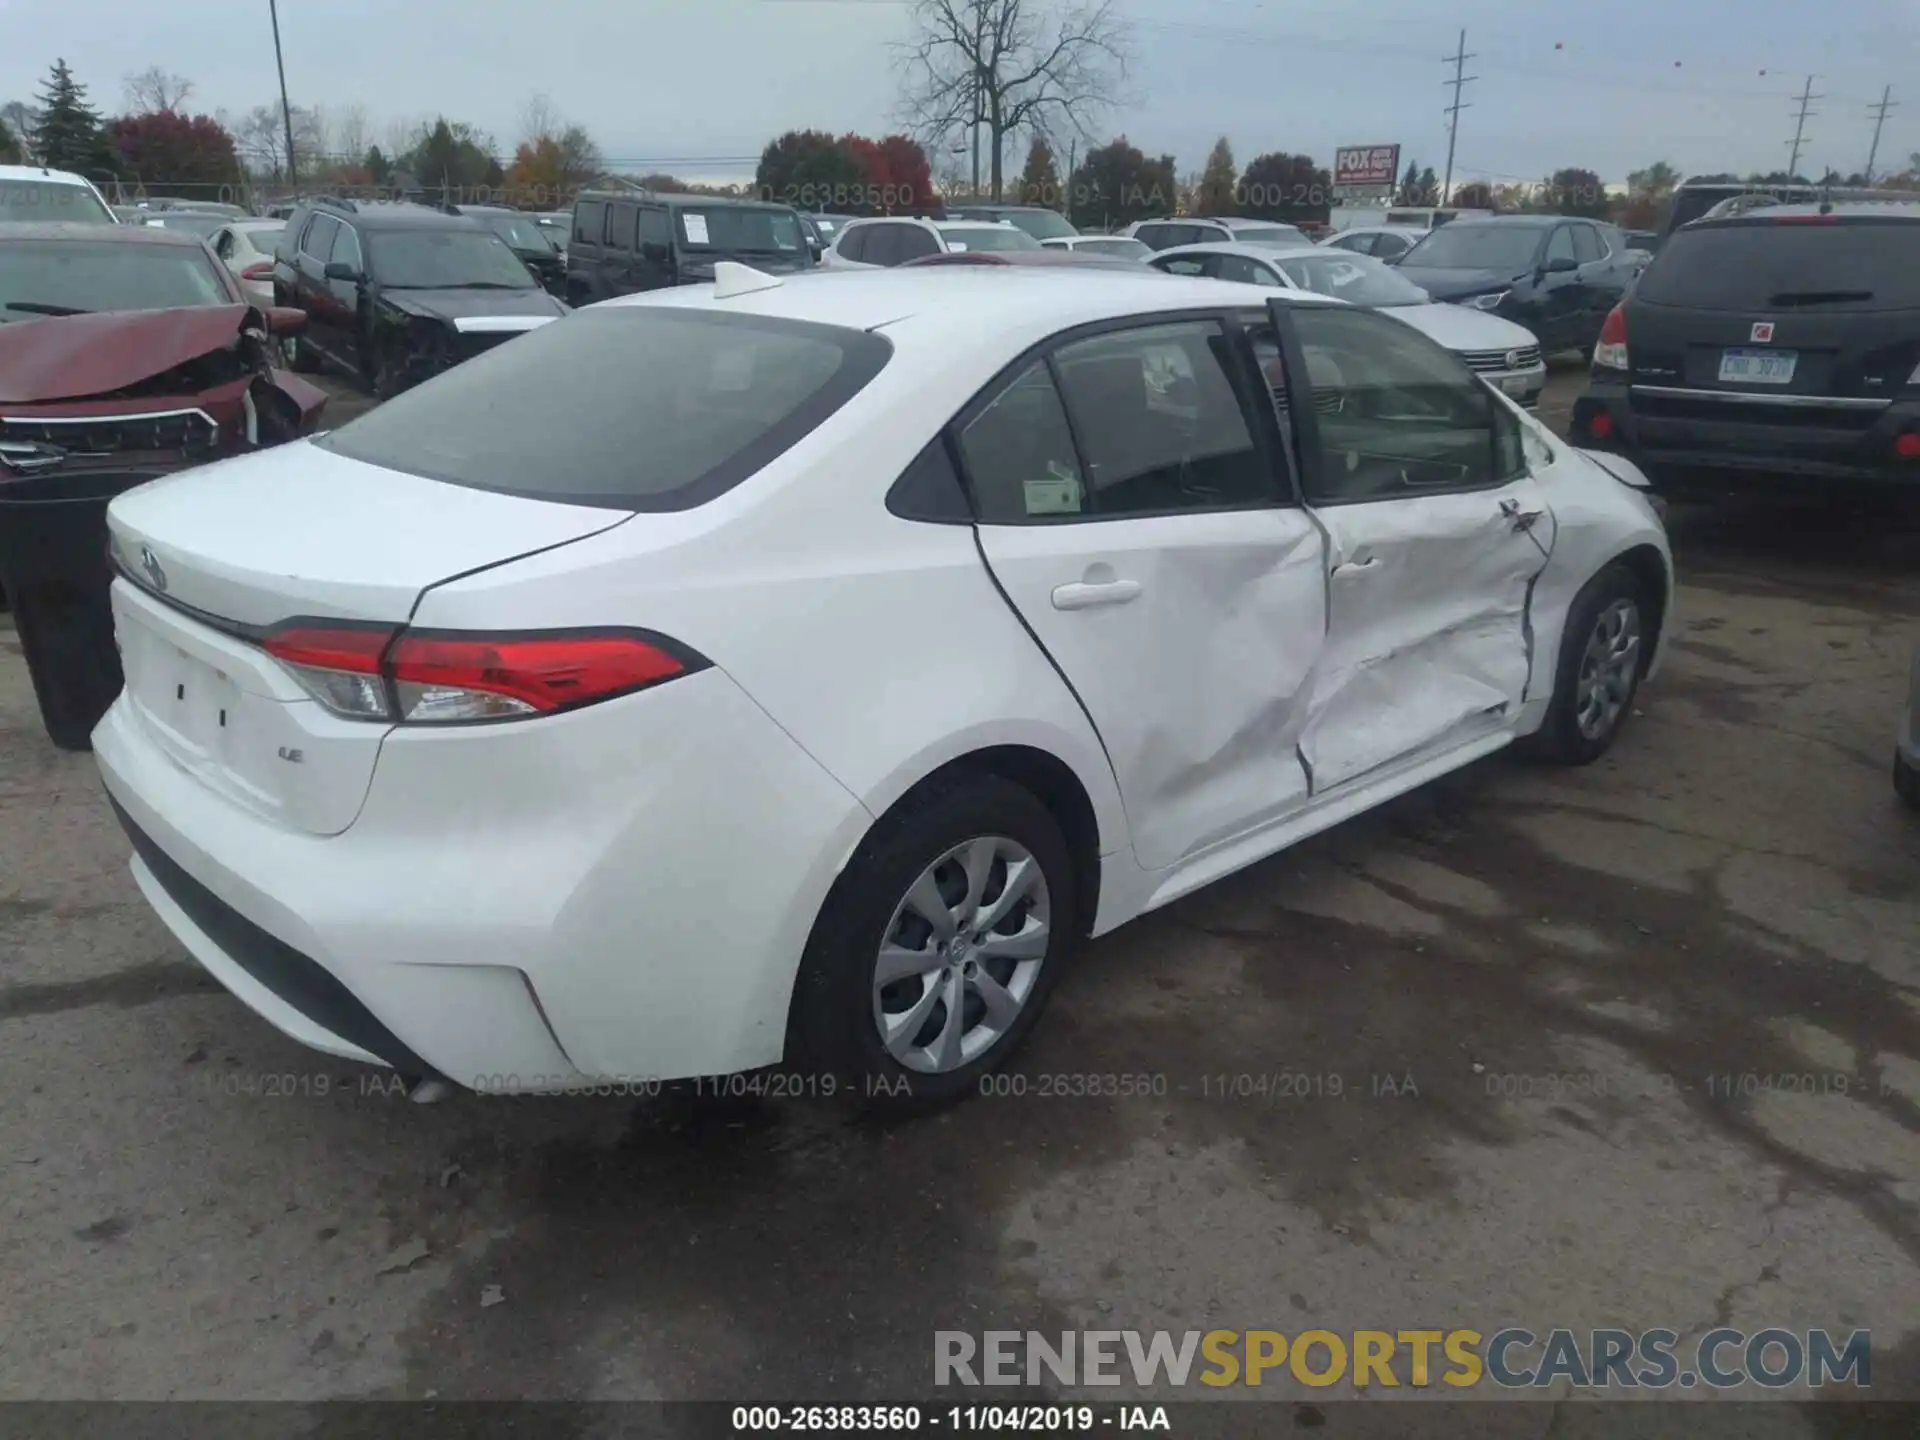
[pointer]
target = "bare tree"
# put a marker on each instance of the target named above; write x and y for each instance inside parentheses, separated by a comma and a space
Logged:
(260, 137)
(1008, 66)
(540, 120)
(352, 132)
(21, 121)
(154, 89)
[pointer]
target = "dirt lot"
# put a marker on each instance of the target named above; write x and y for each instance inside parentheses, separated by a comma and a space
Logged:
(1582, 991)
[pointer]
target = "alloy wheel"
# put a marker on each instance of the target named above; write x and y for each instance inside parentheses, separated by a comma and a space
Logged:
(961, 955)
(1609, 669)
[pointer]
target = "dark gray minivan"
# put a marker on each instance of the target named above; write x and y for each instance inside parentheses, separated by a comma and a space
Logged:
(623, 242)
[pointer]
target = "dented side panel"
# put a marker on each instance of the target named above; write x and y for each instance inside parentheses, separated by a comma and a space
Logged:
(1193, 681)
(1430, 640)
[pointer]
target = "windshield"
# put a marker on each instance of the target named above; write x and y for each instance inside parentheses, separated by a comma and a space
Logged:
(522, 232)
(633, 408)
(46, 201)
(191, 222)
(1269, 235)
(1765, 267)
(1357, 279)
(1120, 246)
(1507, 248)
(962, 238)
(77, 277)
(444, 260)
(743, 231)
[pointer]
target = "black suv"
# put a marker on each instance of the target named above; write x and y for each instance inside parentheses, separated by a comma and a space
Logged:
(395, 293)
(1556, 275)
(624, 242)
(1781, 342)
(526, 237)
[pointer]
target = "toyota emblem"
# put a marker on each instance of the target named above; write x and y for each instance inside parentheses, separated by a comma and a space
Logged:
(150, 566)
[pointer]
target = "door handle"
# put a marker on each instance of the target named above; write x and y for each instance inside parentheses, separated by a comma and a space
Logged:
(1082, 596)
(1522, 519)
(1357, 567)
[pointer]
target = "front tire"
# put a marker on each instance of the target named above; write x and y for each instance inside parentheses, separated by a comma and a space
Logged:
(938, 948)
(1603, 655)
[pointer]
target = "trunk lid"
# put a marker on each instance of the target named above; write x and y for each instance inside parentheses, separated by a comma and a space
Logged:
(213, 557)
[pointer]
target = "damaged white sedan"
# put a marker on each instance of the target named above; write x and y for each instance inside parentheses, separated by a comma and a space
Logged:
(766, 671)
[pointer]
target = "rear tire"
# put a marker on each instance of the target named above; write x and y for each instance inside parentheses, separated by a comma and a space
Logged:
(1603, 656)
(959, 992)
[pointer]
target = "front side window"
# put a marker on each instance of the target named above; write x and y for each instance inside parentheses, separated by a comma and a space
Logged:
(318, 242)
(78, 277)
(656, 227)
(1394, 414)
(1247, 272)
(621, 222)
(1586, 245)
(1560, 244)
(645, 408)
(346, 249)
(1358, 244)
(1390, 247)
(464, 259)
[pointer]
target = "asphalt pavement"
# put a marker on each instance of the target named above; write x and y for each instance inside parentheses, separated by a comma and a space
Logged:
(1635, 1045)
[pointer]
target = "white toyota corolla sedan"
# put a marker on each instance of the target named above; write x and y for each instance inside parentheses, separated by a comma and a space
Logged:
(799, 671)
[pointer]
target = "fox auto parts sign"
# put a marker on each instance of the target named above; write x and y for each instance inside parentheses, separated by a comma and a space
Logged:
(1366, 167)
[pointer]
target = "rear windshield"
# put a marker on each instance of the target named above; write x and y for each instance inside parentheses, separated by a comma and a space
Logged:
(1772, 265)
(77, 277)
(963, 238)
(1119, 246)
(1269, 235)
(51, 200)
(629, 407)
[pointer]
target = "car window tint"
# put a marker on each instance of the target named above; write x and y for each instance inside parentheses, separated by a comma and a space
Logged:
(1160, 237)
(223, 245)
(621, 223)
(1247, 272)
(346, 248)
(883, 245)
(1396, 415)
(319, 240)
(654, 227)
(1019, 454)
(1185, 264)
(1560, 244)
(1855, 264)
(1161, 424)
(644, 408)
(853, 243)
(1389, 247)
(587, 218)
(915, 242)
(1586, 244)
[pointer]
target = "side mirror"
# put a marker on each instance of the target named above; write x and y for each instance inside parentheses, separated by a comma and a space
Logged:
(285, 320)
(1559, 265)
(340, 270)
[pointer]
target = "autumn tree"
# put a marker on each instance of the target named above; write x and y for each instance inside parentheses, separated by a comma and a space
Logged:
(812, 170)
(1011, 67)
(1117, 184)
(1040, 179)
(1214, 195)
(68, 134)
(554, 154)
(1285, 187)
(180, 153)
(898, 174)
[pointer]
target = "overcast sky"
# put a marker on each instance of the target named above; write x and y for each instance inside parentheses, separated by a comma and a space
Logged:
(698, 86)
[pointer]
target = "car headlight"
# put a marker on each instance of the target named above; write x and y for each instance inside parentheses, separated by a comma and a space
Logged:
(1487, 302)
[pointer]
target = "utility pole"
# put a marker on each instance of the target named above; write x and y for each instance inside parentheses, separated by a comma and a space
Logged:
(286, 110)
(1460, 79)
(979, 39)
(1807, 97)
(1879, 113)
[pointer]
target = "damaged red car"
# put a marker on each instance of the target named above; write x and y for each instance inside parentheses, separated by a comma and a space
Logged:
(126, 354)
(132, 348)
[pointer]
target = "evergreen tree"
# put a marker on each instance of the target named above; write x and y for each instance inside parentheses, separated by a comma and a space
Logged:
(1429, 187)
(1040, 181)
(9, 150)
(1217, 182)
(68, 135)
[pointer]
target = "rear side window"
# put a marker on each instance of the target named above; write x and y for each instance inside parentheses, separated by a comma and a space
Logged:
(1774, 265)
(620, 227)
(853, 243)
(588, 216)
(655, 228)
(644, 408)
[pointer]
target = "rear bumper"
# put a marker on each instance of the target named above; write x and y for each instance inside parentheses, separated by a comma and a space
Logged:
(621, 893)
(1751, 438)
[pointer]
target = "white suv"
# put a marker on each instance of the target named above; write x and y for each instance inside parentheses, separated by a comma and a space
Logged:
(32, 194)
(894, 240)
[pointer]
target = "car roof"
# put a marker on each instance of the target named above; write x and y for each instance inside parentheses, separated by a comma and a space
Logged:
(34, 172)
(398, 217)
(679, 197)
(1509, 222)
(1891, 209)
(112, 234)
(1252, 252)
(972, 224)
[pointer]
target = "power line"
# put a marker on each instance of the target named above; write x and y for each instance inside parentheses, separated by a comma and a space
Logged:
(1879, 113)
(1459, 81)
(1807, 97)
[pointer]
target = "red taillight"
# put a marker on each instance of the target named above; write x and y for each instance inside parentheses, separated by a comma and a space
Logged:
(1611, 352)
(367, 672)
(1600, 427)
(263, 270)
(1907, 447)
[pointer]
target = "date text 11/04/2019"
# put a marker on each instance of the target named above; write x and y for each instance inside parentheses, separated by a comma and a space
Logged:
(960, 1419)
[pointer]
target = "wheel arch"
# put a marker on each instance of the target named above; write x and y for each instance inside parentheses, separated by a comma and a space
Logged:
(1655, 576)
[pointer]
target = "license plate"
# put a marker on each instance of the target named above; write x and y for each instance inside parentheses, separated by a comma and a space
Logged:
(1517, 385)
(187, 697)
(1758, 367)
